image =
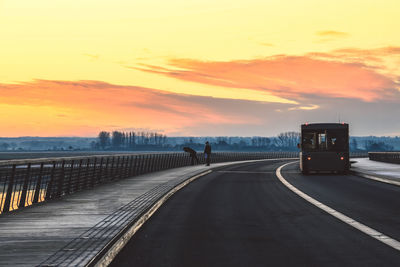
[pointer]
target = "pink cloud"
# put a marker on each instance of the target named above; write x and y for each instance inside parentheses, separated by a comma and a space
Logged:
(292, 77)
(85, 107)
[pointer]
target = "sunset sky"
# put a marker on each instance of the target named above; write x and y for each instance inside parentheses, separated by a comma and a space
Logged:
(198, 67)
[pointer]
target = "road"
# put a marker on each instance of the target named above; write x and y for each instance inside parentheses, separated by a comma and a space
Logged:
(243, 215)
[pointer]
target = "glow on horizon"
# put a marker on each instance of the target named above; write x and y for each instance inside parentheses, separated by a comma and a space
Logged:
(111, 42)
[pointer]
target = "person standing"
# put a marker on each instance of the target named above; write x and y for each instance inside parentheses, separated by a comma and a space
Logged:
(207, 153)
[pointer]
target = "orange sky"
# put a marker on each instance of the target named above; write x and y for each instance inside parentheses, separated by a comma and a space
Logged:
(198, 67)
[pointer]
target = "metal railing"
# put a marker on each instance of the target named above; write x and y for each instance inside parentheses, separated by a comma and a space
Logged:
(26, 182)
(390, 157)
(358, 154)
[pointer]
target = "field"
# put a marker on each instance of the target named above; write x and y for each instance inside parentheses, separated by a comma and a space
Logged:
(57, 154)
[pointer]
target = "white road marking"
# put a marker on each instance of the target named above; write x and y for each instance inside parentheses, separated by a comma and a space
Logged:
(359, 226)
(371, 177)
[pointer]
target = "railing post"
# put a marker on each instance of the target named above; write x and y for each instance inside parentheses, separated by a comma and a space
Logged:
(127, 166)
(100, 172)
(115, 173)
(92, 179)
(156, 167)
(38, 184)
(146, 166)
(130, 168)
(124, 167)
(112, 168)
(120, 167)
(107, 171)
(71, 173)
(86, 181)
(164, 161)
(150, 163)
(10, 187)
(78, 176)
(134, 165)
(159, 162)
(60, 180)
(22, 200)
(152, 157)
(50, 186)
(171, 161)
(139, 165)
(143, 164)
(147, 169)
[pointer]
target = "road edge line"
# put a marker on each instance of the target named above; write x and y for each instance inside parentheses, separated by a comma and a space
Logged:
(375, 178)
(393, 243)
(111, 253)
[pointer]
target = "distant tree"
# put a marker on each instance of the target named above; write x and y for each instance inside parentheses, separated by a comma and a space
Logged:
(133, 142)
(354, 145)
(288, 139)
(13, 145)
(4, 146)
(377, 146)
(104, 139)
(117, 139)
(94, 145)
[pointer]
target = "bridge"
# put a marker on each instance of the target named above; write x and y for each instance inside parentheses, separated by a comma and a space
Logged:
(246, 209)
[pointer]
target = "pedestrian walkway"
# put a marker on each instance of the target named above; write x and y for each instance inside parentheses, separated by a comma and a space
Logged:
(72, 230)
(384, 172)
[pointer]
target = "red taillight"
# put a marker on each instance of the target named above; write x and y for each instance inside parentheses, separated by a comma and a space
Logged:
(309, 158)
(341, 158)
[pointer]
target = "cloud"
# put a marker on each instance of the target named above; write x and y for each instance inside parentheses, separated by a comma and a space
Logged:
(92, 56)
(267, 44)
(292, 77)
(34, 108)
(86, 107)
(332, 34)
(382, 51)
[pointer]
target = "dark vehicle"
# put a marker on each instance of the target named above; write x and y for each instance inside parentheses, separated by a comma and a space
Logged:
(324, 147)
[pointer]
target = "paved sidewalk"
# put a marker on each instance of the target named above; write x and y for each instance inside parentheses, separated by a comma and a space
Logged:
(81, 224)
(384, 172)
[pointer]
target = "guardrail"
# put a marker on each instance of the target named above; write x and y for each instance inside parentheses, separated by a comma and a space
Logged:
(26, 182)
(390, 157)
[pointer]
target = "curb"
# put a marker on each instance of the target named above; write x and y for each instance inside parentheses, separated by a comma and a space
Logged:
(112, 252)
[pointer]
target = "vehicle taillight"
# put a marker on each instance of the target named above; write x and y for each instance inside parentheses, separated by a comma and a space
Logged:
(309, 158)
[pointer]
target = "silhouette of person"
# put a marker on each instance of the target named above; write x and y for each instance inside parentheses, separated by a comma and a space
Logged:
(193, 154)
(207, 153)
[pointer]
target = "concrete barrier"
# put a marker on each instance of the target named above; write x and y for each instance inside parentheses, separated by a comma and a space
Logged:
(389, 157)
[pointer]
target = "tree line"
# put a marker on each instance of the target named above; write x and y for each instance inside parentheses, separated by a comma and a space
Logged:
(128, 140)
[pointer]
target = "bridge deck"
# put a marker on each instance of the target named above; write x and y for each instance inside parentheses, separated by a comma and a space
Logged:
(82, 223)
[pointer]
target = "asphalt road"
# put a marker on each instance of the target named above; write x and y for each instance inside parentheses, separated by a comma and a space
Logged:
(243, 215)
